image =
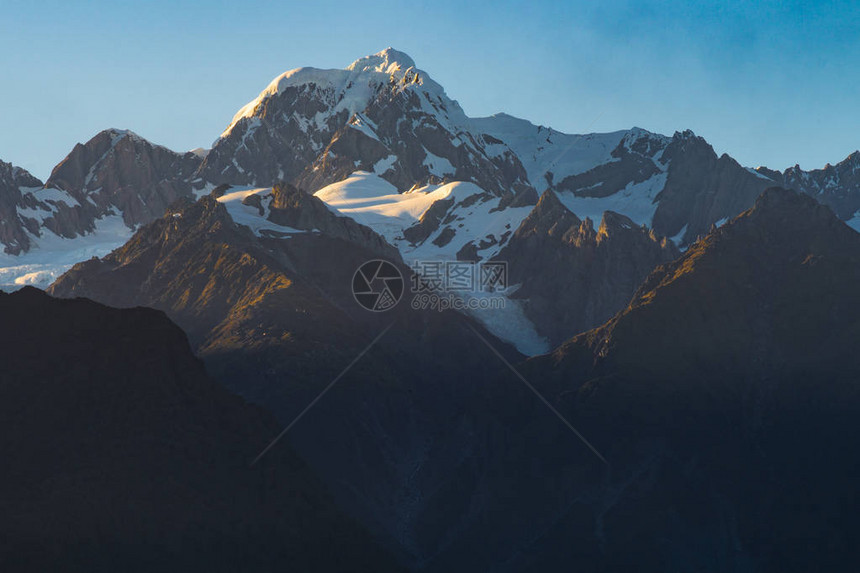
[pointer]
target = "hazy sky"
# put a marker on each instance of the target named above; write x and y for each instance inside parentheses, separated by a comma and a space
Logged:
(770, 83)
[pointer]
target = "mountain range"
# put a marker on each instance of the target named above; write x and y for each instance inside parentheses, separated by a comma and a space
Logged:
(669, 383)
(380, 142)
(129, 457)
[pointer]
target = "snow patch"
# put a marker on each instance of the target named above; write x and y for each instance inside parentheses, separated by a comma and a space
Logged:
(438, 166)
(854, 222)
(353, 88)
(511, 325)
(51, 255)
(364, 126)
(757, 174)
(55, 195)
(249, 215)
(384, 164)
(374, 202)
(543, 149)
(388, 61)
(636, 201)
(680, 236)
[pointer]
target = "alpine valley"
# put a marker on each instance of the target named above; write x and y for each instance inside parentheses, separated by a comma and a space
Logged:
(696, 321)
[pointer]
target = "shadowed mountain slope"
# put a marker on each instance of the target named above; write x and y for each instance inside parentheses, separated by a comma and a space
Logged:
(725, 399)
(121, 454)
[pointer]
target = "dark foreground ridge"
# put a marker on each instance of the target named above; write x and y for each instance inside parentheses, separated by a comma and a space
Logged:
(120, 454)
(725, 397)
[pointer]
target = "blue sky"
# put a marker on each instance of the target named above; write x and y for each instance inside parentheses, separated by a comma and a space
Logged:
(770, 83)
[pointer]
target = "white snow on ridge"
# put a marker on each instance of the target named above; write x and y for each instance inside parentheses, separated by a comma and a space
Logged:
(354, 90)
(636, 201)
(249, 215)
(438, 166)
(757, 174)
(350, 89)
(384, 164)
(679, 237)
(388, 61)
(542, 149)
(374, 202)
(363, 125)
(56, 195)
(52, 255)
(475, 222)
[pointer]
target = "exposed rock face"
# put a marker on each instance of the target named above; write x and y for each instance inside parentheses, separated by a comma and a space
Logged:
(574, 278)
(14, 178)
(756, 263)
(277, 142)
(414, 136)
(279, 134)
(121, 454)
(726, 388)
(12, 228)
(382, 115)
(429, 221)
(636, 159)
(701, 188)
(294, 208)
(275, 320)
(114, 173)
(28, 211)
(837, 186)
(694, 188)
(432, 461)
(119, 171)
(195, 263)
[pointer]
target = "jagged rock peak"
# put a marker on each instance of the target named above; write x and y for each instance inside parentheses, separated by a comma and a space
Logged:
(644, 142)
(549, 203)
(351, 83)
(72, 172)
(777, 203)
(12, 175)
(549, 216)
(612, 221)
(686, 134)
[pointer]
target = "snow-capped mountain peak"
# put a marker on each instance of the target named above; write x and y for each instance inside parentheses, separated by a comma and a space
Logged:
(303, 128)
(349, 89)
(388, 61)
